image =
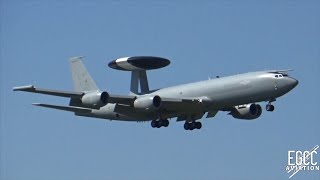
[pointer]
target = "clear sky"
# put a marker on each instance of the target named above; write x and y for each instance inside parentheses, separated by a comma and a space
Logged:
(202, 40)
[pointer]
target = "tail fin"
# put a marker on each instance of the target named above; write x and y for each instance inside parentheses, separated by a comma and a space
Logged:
(82, 80)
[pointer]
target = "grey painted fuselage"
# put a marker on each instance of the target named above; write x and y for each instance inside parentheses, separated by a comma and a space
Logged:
(214, 95)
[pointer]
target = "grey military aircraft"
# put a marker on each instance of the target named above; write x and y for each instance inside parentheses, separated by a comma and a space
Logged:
(238, 95)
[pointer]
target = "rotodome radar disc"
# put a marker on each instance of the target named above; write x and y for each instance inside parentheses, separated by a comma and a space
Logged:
(139, 63)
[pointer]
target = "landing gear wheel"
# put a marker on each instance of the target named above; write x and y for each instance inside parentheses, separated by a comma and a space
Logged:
(270, 107)
(154, 123)
(159, 124)
(198, 125)
(186, 126)
(165, 123)
(193, 126)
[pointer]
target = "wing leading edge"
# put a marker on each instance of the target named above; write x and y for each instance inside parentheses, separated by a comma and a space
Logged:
(33, 89)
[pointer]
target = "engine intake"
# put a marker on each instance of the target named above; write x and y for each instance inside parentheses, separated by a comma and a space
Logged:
(95, 99)
(247, 112)
(148, 103)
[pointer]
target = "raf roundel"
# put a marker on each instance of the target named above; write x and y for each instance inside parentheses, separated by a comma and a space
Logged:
(135, 63)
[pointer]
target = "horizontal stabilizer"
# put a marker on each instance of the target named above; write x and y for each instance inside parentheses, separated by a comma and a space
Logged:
(52, 92)
(65, 108)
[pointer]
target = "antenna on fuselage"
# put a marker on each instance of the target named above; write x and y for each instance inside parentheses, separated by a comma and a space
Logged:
(138, 65)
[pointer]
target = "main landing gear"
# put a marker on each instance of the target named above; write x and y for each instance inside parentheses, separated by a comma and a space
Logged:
(160, 123)
(270, 107)
(192, 125)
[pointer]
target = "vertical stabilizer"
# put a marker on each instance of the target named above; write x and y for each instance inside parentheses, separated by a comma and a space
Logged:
(81, 78)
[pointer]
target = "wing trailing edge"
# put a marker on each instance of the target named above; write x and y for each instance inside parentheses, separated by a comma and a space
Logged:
(65, 108)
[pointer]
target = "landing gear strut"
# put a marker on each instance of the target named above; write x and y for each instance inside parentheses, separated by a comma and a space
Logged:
(160, 123)
(192, 125)
(270, 107)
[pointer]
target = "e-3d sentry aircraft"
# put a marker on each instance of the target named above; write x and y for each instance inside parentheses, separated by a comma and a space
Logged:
(238, 94)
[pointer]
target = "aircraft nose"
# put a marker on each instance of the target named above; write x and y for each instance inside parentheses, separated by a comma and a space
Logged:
(291, 82)
(287, 84)
(294, 82)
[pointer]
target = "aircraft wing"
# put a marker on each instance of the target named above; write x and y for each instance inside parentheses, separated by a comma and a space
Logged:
(121, 99)
(171, 105)
(33, 89)
(195, 102)
(65, 108)
(129, 100)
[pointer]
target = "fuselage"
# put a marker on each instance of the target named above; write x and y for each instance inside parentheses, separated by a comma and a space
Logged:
(219, 93)
(234, 90)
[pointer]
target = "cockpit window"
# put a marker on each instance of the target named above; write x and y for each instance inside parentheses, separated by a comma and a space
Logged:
(278, 76)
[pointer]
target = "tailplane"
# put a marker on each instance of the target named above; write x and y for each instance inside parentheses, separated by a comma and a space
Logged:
(82, 80)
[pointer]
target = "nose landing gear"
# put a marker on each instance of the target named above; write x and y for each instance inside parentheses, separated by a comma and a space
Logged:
(270, 107)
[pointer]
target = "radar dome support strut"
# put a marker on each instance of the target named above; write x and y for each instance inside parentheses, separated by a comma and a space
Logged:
(138, 65)
(139, 77)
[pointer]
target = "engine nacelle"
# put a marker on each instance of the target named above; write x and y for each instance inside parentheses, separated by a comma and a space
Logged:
(95, 99)
(148, 103)
(247, 112)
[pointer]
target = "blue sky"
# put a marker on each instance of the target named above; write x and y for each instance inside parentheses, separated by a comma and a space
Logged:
(202, 40)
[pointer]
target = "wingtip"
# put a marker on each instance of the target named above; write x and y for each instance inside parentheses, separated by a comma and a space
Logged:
(19, 88)
(36, 104)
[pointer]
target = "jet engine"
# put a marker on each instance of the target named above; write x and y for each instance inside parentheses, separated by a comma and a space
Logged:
(247, 112)
(95, 99)
(149, 103)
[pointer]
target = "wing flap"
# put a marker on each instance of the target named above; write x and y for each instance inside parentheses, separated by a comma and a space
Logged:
(33, 89)
(211, 114)
(190, 117)
(121, 99)
(185, 104)
(65, 108)
(182, 118)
